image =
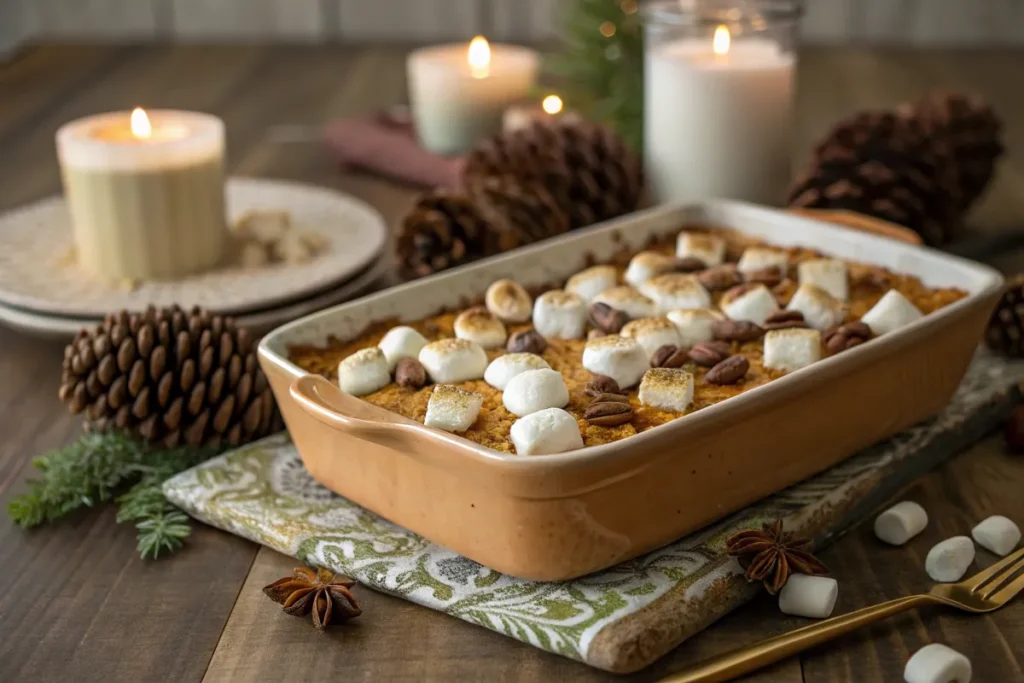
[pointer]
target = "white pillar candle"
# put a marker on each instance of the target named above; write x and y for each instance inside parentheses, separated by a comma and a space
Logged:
(459, 93)
(145, 192)
(717, 119)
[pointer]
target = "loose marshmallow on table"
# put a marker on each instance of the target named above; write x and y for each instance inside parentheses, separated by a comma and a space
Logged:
(754, 304)
(821, 310)
(628, 300)
(535, 390)
(503, 368)
(452, 409)
(364, 372)
(809, 596)
(708, 248)
(892, 312)
(759, 258)
(547, 431)
(948, 561)
(509, 301)
(667, 389)
(828, 274)
(652, 333)
(480, 326)
(901, 522)
(588, 283)
(559, 315)
(998, 534)
(694, 324)
(453, 360)
(676, 290)
(621, 358)
(791, 349)
(646, 265)
(937, 663)
(401, 342)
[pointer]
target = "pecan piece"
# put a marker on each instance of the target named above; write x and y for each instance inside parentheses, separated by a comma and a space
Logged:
(736, 330)
(781, 320)
(526, 341)
(410, 373)
(608, 414)
(610, 398)
(690, 264)
(843, 337)
(720, 277)
(669, 356)
(707, 355)
(768, 277)
(607, 319)
(729, 371)
(601, 384)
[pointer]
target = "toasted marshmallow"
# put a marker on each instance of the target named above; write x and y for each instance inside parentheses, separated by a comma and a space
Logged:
(547, 431)
(646, 265)
(821, 310)
(480, 326)
(675, 290)
(759, 258)
(694, 324)
(628, 300)
(937, 663)
(588, 283)
(507, 300)
(401, 342)
(652, 333)
(708, 248)
(504, 368)
(560, 315)
(755, 305)
(791, 349)
(453, 360)
(667, 389)
(364, 372)
(535, 390)
(892, 312)
(827, 273)
(452, 409)
(621, 358)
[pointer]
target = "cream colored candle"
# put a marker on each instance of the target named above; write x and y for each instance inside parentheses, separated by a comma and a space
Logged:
(520, 116)
(145, 192)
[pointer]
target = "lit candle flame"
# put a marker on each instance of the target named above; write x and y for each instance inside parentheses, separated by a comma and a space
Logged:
(552, 104)
(721, 40)
(479, 57)
(141, 127)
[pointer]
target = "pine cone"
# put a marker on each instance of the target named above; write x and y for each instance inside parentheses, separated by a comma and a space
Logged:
(587, 168)
(1005, 332)
(527, 214)
(170, 377)
(442, 231)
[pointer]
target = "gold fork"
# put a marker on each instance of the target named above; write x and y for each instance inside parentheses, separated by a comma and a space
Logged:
(986, 591)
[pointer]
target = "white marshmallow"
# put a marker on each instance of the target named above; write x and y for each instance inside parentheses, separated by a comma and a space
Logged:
(694, 324)
(791, 349)
(828, 274)
(364, 372)
(708, 248)
(646, 265)
(453, 360)
(401, 342)
(667, 389)
(535, 390)
(675, 290)
(754, 305)
(652, 333)
(560, 315)
(480, 326)
(892, 312)
(998, 534)
(759, 258)
(452, 409)
(821, 310)
(588, 283)
(621, 358)
(628, 300)
(504, 368)
(507, 300)
(901, 522)
(809, 596)
(547, 431)
(948, 561)
(936, 663)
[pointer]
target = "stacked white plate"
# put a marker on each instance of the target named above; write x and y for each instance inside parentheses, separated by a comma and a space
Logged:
(43, 292)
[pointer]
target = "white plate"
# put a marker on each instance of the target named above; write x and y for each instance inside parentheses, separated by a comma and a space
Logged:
(36, 241)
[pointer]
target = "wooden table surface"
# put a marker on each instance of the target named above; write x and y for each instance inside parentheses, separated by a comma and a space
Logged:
(77, 603)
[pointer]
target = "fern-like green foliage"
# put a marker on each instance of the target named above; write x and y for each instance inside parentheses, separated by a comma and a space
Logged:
(104, 467)
(599, 70)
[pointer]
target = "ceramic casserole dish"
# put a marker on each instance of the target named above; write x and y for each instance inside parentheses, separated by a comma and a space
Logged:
(560, 516)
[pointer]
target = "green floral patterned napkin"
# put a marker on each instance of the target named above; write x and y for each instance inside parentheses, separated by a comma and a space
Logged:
(620, 619)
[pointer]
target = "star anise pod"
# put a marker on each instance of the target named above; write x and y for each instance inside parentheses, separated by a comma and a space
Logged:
(321, 592)
(771, 555)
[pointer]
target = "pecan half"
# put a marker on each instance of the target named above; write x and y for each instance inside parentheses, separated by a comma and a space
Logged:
(781, 320)
(720, 277)
(526, 341)
(608, 414)
(736, 330)
(707, 355)
(766, 276)
(669, 356)
(610, 398)
(601, 384)
(410, 373)
(729, 371)
(843, 337)
(690, 264)
(607, 319)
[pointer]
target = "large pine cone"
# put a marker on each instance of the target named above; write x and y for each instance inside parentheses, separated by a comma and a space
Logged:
(586, 167)
(528, 213)
(170, 377)
(1005, 332)
(442, 231)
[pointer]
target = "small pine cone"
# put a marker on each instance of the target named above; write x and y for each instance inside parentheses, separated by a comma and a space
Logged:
(443, 230)
(170, 377)
(1005, 332)
(517, 215)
